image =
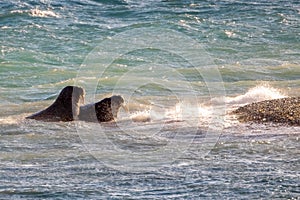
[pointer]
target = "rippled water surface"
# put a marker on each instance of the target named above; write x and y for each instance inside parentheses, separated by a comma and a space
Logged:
(182, 67)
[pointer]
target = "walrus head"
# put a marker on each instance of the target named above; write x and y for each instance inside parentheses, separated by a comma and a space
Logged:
(108, 108)
(117, 102)
(103, 111)
(65, 108)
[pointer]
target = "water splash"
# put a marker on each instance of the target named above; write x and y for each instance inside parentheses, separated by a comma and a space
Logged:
(141, 116)
(37, 13)
(258, 93)
(9, 120)
(183, 111)
(177, 113)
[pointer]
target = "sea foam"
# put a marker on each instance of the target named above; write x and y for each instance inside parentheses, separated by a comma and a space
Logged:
(37, 13)
(258, 93)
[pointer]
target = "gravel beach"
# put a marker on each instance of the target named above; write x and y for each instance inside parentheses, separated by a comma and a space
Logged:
(285, 110)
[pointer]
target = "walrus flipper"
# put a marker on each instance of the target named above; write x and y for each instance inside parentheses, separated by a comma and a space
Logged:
(105, 110)
(65, 108)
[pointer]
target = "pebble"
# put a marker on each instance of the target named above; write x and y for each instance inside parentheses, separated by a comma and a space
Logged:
(284, 110)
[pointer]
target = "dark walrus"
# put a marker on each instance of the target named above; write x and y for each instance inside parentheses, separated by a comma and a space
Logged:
(103, 111)
(67, 107)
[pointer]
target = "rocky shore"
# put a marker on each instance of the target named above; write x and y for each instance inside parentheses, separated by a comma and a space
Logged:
(285, 110)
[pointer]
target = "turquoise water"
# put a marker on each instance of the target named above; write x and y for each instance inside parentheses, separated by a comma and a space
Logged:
(181, 66)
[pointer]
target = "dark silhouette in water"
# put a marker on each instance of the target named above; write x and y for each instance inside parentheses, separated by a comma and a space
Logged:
(67, 107)
(285, 110)
(103, 111)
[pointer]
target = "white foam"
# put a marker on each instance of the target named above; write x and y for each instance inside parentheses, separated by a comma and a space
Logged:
(205, 111)
(258, 93)
(174, 113)
(179, 112)
(216, 110)
(42, 13)
(10, 120)
(229, 33)
(141, 116)
(38, 13)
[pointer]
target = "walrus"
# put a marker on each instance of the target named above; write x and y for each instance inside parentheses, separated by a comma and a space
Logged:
(68, 107)
(103, 111)
(65, 108)
(284, 110)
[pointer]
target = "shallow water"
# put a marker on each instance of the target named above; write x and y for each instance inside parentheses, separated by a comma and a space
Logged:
(181, 66)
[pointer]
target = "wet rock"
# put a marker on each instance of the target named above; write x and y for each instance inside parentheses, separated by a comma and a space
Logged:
(285, 110)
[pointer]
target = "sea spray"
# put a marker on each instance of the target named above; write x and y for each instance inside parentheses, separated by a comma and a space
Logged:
(258, 93)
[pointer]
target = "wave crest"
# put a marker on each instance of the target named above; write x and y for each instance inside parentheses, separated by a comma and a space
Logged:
(37, 13)
(258, 93)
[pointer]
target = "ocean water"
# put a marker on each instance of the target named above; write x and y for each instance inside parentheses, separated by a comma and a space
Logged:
(181, 66)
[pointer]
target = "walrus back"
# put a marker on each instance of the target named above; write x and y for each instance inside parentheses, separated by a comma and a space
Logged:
(65, 108)
(56, 112)
(103, 111)
(88, 113)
